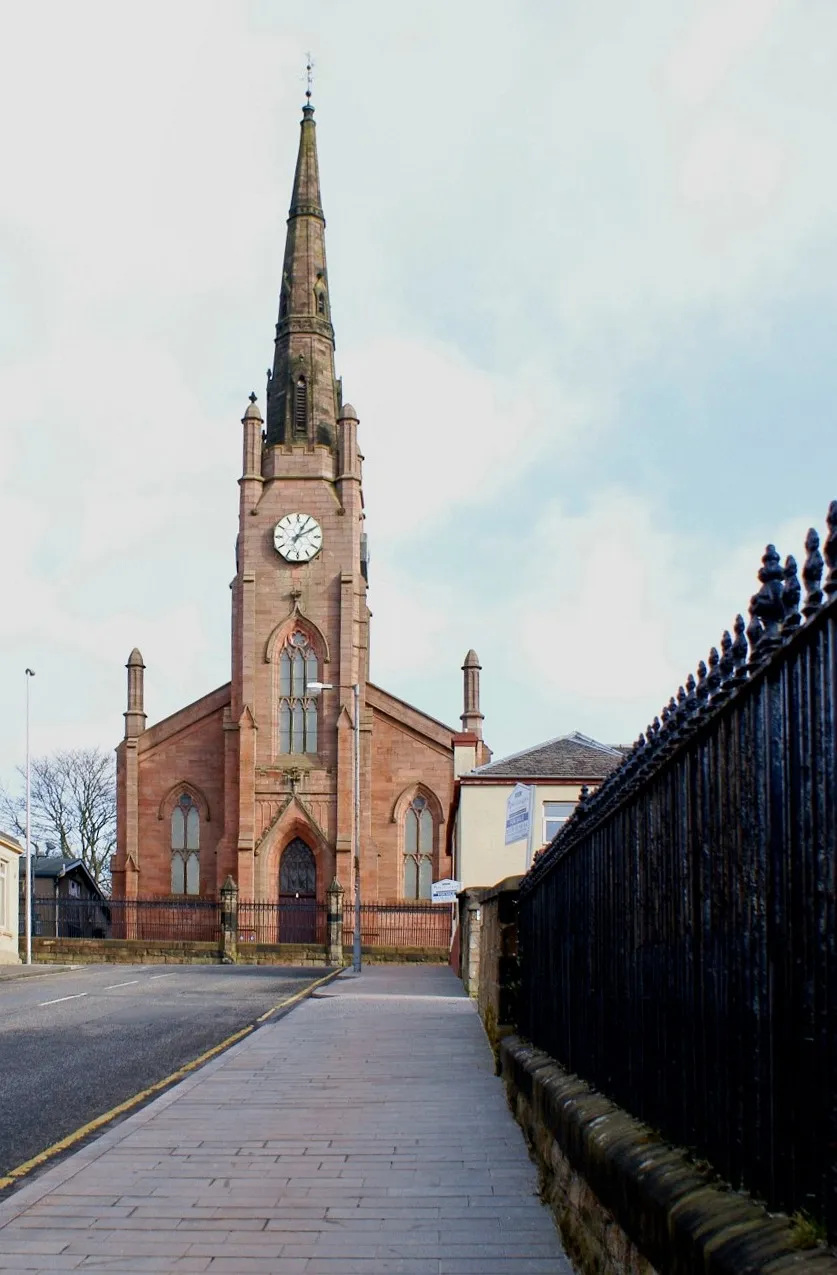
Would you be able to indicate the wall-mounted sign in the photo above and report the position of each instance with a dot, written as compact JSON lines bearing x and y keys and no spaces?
{"x":445,"y":891}
{"x":519,"y":813}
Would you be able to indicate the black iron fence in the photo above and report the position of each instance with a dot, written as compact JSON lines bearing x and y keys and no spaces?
{"x":65,"y":918}
{"x":678,"y":938}
{"x":294,"y":921}
{"x":406,"y":925}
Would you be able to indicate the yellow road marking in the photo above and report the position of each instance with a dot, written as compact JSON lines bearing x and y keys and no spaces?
{"x":14,"y":1175}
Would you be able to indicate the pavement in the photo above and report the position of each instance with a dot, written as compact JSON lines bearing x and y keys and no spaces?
{"x":365,"y":1133}
{"x":8,"y":972}
{"x":76,"y":1043}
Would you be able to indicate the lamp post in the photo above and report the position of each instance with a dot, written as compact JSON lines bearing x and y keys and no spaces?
{"x":316,"y":688}
{"x":356,"y":737}
{"x":30,"y":673}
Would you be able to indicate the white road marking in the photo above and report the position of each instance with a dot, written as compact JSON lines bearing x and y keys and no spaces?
{"x":59,"y":999}
{"x":130,"y":983}
{"x":153,"y":976}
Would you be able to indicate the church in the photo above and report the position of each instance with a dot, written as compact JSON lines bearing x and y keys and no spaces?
{"x":299,"y":767}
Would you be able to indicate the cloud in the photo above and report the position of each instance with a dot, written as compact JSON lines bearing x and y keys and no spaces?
{"x":530,"y":210}
{"x":442,"y":435}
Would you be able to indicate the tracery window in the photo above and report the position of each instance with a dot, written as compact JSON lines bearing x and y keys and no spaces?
{"x":185,"y":846}
{"x":297,"y":709}
{"x":418,"y":849}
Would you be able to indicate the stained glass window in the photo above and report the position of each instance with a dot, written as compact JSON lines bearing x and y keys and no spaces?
{"x":297,"y":716}
{"x":185,"y":846}
{"x":418,"y":849}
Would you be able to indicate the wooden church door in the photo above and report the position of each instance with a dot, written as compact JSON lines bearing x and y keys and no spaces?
{"x":297,"y":894}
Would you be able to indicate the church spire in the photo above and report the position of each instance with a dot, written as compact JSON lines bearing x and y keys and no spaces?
{"x":302,"y":392}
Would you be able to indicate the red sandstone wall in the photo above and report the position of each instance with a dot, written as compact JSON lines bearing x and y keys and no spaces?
{"x":194,"y":754}
{"x":401,"y":758}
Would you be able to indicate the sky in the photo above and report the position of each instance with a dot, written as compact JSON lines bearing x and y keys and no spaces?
{"x":582,"y":268}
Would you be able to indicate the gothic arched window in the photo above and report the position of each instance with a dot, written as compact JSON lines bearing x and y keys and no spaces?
{"x":321,"y":304}
{"x":297,"y":709}
{"x":418,"y":849}
{"x":185,"y":846}
{"x":300,"y":408}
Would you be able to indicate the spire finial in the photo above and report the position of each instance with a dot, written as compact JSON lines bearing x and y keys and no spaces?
{"x":252,"y":396}
{"x":309,"y":81}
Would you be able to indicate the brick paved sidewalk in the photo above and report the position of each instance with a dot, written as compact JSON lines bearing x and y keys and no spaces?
{"x":364,"y":1133}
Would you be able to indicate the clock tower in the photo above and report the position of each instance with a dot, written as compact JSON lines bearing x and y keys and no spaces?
{"x":299,"y":595}
{"x":256,"y":778}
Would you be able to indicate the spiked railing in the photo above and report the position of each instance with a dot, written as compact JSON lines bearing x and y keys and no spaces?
{"x":678,"y":938}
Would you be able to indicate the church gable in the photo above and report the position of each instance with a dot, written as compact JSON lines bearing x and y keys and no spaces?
{"x":409,"y":719}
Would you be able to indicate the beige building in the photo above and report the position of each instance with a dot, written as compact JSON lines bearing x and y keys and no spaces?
{"x":556,"y":771}
{"x":10,"y":852}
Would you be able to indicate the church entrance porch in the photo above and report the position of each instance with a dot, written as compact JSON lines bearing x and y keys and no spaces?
{"x":297,"y":893}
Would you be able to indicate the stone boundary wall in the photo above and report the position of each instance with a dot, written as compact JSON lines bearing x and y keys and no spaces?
{"x":470,"y":924}
{"x":627,"y":1203}
{"x":195,"y":952}
{"x":497,"y":973}
{"x":280,"y":954}
{"x":125,"y":951}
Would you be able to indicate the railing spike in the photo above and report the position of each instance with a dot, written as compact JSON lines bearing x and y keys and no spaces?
{"x":812,"y":574}
{"x":713,"y":680}
{"x":739,"y":649}
{"x":830,"y":549}
{"x":791,"y":594}
{"x":769,"y":607}
{"x":755,"y":632}
{"x":682,"y":711}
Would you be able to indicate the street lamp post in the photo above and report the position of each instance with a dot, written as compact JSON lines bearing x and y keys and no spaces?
{"x":316,"y":688}
{"x":356,"y":750}
{"x":30,"y":673}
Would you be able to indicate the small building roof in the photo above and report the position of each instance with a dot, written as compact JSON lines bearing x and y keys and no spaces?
{"x":55,"y":865}
{"x":10,"y":842}
{"x":572,"y":756}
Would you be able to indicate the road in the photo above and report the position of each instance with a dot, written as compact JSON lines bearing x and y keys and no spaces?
{"x":75,"y":1044}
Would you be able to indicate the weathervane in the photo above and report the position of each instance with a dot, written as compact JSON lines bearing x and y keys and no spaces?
{"x":309,"y":76}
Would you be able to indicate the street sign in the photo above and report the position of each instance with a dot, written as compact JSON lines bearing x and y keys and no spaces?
{"x":445,"y":891}
{"x":519,"y":813}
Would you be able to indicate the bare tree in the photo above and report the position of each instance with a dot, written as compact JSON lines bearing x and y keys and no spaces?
{"x":73,"y":807}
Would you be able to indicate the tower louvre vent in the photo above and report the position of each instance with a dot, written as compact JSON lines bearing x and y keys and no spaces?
{"x":301,"y":408}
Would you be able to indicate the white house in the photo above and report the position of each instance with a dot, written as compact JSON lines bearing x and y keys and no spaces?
{"x":10,"y":852}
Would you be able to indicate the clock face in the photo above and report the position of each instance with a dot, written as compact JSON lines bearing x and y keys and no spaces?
{"x":298,"y":537}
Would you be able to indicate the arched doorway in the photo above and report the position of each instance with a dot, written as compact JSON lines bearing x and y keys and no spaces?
{"x":297,"y":893}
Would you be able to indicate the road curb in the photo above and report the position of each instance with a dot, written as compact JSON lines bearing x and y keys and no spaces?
{"x":15,"y":1177}
{"x":13,"y":973}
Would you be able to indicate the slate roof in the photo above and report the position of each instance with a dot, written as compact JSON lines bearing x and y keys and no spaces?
{"x":53,"y":865}
{"x":573,"y":756}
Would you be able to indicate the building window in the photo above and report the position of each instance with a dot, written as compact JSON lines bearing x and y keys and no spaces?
{"x":321,"y":303}
{"x":297,"y":716}
{"x":418,"y":850}
{"x":555,"y":813}
{"x":74,"y":889}
{"x":185,"y":846}
{"x":5,"y":906}
{"x":300,"y":408}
